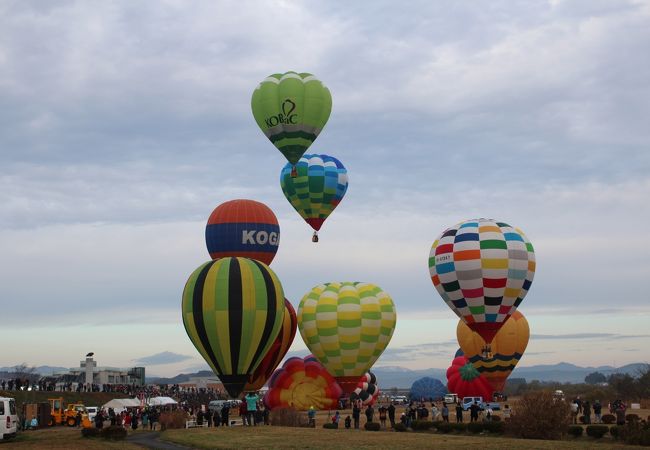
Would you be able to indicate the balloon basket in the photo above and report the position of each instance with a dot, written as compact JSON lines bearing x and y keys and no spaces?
{"x":294,"y":172}
{"x":314,"y":237}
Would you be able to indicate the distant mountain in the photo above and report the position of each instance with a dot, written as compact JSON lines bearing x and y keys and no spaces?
{"x":43,"y":370}
{"x":570,"y":373}
{"x":181,"y":378}
{"x":403,"y":378}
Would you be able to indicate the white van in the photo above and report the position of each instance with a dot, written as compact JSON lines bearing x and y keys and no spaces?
{"x":8,"y":418}
{"x":92,"y":412}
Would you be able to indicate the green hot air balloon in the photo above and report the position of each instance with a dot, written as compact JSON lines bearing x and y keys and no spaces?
{"x":291,"y":109}
{"x":233,"y":310}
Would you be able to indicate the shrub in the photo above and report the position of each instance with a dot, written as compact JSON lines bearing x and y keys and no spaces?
{"x":635,"y":433}
{"x":597,"y":431}
{"x":632,"y":418}
{"x":444,"y":427}
{"x":608,"y":418}
{"x":399,"y":427}
{"x":527,"y":421}
{"x":459,"y":427}
{"x":90,"y":432}
{"x":494,"y":427}
{"x":617,"y":431}
{"x":330,"y":426}
{"x":172,"y":419}
{"x":422,"y":425}
{"x":288,"y":417}
{"x":475,"y":427}
{"x":113,"y":433}
{"x":575,"y":430}
{"x":372,"y":426}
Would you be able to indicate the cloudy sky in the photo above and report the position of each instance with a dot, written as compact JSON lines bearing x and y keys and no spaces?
{"x":123,"y":124}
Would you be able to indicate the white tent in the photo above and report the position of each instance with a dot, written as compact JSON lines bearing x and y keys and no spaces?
{"x":161,"y":401}
{"x":118,"y":404}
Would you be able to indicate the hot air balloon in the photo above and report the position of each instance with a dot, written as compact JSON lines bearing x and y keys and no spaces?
{"x":347,"y":325}
{"x":507,"y":348}
{"x":318,"y":188}
{"x":463,"y":379}
{"x":300,"y":384}
{"x":482,"y":269}
{"x":243,"y":228}
{"x":367,"y":390}
{"x":233,"y":310}
{"x":278,"y":350}
{"x":291,"y":109}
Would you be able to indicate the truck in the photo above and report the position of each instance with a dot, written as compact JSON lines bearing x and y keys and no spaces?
{"x":60,"y":415}
{"x":468,"y":401}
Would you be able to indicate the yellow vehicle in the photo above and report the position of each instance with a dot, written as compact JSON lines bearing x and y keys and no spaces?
{"x":68,"y":415}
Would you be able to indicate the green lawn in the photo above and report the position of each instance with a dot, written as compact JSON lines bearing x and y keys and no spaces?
{"x":305,"y":438}
{"x":59,"y":438}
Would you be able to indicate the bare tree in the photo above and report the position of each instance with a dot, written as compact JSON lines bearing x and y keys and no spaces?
{"x":24,"y":372}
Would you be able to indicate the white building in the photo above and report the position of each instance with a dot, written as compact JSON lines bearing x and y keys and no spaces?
{"x":89,"y":373}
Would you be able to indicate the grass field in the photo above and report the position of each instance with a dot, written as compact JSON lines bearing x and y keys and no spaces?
{"x":60,"y":438}
{"x":282,"y":437}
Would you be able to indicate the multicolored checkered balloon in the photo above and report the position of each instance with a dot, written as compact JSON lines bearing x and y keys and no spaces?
{"x":318,"y":187}
{"x":347,"y":326}
{"x":482,"y":269}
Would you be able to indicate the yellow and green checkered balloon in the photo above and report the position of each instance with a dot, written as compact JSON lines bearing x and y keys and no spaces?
{"x":347,"y":326}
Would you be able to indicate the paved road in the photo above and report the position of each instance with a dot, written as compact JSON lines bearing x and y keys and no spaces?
{"x":152,"y":440}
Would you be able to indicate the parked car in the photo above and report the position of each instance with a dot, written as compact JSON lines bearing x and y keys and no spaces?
{"x":451,"y":398}
{"x":92,"y":412}
{"x":8,"y":418}
{"x":468,"y":401}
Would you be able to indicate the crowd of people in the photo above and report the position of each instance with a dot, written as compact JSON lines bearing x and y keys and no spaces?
{"x":584,"y":410}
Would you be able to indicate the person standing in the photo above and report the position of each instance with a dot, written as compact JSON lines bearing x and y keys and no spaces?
{"x":473,"y":412}
{"x":216,"y":418}
{"x":391,"y":414}
{"x":586,"y":410}
{"x":574,"y":412}
{"x":382,"y":416}
{"x":445,"y":412}
{"x":370,"y":414}
{"x":356,"y":413}
{"x":243,"y":413}
{"x":598,"y":409}
{"x":311,"y":415}
{"x":225,"y":415}
{"x":251,"y":408}
{"x":459,"y":413}
{"x":336,"y":418}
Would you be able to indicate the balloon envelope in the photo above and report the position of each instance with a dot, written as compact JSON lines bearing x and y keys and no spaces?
{"x":278,"y":350}
{"x":291,"y":109}
{"x":243,"y":228}
{"x":367,"y":390}
{"x":463,"y":379}
{"x":233,"y":310}
{"x":301,"y":384}
{"x":482,"y":269}
{"x":347,"y":325}
{"x":427,"y":388}
{"x":318,"y":187}
{"x":507,"y":348}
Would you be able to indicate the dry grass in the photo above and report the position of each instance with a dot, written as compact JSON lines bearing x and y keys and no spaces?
{"x":281,"y":437}
{"x":60,"y":438}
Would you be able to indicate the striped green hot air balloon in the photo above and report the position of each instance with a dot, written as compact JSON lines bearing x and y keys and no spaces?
{"x":233,"y":309}
{"x":347,"y":326}
{"x":291,"y":109}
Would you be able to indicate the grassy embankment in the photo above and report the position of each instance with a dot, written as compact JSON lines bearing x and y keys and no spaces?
{"x":282,"y":437}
